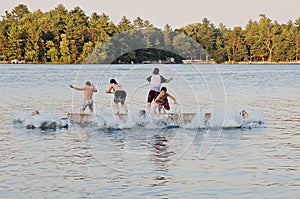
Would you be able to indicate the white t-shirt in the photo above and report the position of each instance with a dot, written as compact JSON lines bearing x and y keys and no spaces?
{"x":156,"y":81}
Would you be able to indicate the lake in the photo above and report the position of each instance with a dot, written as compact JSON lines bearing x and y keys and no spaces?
{"x":151,"y":161}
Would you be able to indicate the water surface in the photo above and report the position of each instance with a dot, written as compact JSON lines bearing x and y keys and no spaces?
{"x":88,"y":162}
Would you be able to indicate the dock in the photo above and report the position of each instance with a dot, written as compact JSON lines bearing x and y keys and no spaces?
{"x":177,"y":117}
{"x":85,"y":117}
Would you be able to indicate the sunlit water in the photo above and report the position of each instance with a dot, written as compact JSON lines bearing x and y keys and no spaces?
{"x":151,"y":161}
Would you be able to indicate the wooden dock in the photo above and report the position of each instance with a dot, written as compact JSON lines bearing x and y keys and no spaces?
{"x":85,"y":117}
{"x":181,"y":117}
{"x":177,"y":117}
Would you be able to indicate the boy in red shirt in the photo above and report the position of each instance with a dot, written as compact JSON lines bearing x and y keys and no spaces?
{"x":162,"y":100}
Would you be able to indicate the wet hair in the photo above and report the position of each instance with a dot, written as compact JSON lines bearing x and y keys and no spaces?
{"x":142,"y":113}
{"x":155,"y":71}
{"x":113,"y":81}
{"x":36,"y":112}
{"x":243,"y":113}
{"x":163,"y":89}
{"x":88,"y":83}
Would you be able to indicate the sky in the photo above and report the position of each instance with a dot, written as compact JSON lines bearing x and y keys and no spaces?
{"x":177,"y":14}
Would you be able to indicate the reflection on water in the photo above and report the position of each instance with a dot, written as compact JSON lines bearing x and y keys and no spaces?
{"x":161,"y":150}
{"x":88,"y":162}
{"x":160,"y":158}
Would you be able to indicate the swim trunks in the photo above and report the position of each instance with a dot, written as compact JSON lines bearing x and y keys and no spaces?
{"x":120,"y":96}
{"x":88,"y":103}
{"x":163,"y":103}
{"x":152,"y":95}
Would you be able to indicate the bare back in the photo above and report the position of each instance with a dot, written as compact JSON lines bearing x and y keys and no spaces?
{"x":114,"y":87}
{"x":88,"y":92}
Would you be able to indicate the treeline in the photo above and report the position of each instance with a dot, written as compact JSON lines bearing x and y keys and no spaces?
{"x":62,"y":36}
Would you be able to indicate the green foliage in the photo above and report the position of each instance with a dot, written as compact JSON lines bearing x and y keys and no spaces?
{"x":64,"y":50}
{"x":62,"y":36}
{"x":52,"y":53}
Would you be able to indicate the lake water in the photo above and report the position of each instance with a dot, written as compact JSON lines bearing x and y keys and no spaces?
{"x":150,"y":161}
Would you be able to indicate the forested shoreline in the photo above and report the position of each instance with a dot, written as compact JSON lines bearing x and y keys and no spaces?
{"x":61,"y":36}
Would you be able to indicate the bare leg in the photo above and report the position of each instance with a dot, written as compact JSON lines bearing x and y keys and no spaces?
{"x":117,"y":108}
{"x":154,"y":110}
{"x":91,"y":107}
{"x":124,"y":107}
{"x":148,"y":106}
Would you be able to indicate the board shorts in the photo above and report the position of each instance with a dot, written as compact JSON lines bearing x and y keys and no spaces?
{"x":88,"y":103}
{"x":163,"y":103}
{"x":120,"y":96}
{"x":152,"y":95}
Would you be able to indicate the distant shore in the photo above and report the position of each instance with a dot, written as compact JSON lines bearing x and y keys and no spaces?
{"x":185,"y":62}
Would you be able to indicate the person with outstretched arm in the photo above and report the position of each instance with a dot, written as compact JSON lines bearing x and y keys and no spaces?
{"x":88,"y":90}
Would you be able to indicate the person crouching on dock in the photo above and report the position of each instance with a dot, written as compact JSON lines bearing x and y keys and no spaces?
{"x":162,"y":100}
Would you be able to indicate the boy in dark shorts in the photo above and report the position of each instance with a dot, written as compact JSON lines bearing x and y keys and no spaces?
{"x":120,"y":95}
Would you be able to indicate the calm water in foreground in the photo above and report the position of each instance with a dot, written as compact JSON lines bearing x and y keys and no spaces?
{"x":151,"y":162}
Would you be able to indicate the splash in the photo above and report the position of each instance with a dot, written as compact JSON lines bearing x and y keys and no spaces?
{"x":43,"y":121}
{"x":108,"y":120}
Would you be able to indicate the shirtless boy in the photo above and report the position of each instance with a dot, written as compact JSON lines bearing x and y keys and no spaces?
{"x":89,"y":89}
{"x":120,"y":95}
